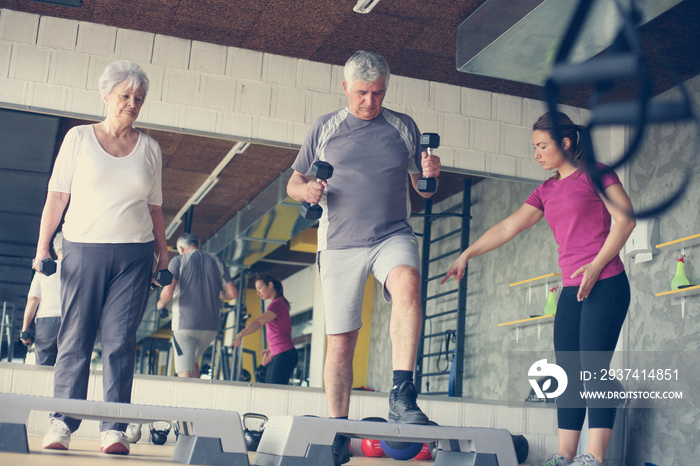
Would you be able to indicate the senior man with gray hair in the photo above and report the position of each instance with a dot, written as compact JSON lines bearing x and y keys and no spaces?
{"x":376,"y":155}
{"x":200,"y":280}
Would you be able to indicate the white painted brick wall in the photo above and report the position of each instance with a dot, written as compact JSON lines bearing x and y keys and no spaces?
{"x":208,"y":58}
{"x":532,"y":170}
{"x":171,"y":51}
{"x":280,"y":70}
{"x":289,"y":104}
{"x":180,"y":87}
{"x":96,"y":39}
{"x":414,"y":93}
{"x":501,"y":165}
{"x":13,"y":91}
{"x":96,"y":67}
{"x":428,"y":121}
{"x":235,"y":124}
{"x":479,"y":415}
{"x":337,"y":78}
{"x":454,"y":131}
{"x":19,"y":27}
{"x":46,"y":95}
{"x":446,"y":98}
{"x":511,"y":418}
{"x":541,"y":421}
{"x":136,"y":46}
{"x":245,"y":64}
{"x":476,"y":103}
{"x":85,"y":103}
{"x":69,"y":69}
{"x":516,"y":140}
{"x":155,"y":75}
{"x":507,"y":108}
{"x":484,"y":135}
{"x":5,"y":54}
{"x":253,"y":98}
{"x":270,"y":130}
{"x":199,"y":119}
{"x":160,"y":113}
{"x":314,"y":76}
{"x":240,"y":93}
{"x":318,"y":104}
{"x":532,"y":110}
{"x":58,"y":33}
{"x":297,"y":132}
{"x":29,"y":63}
{"x":447,"y":155}
{"x":471,"y":160}
{"x":217,"y":92}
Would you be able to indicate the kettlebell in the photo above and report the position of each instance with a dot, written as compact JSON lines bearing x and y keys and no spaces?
{"x":252,"y":437}
{"x":159,"y":437}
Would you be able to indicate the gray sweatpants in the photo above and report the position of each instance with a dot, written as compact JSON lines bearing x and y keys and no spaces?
{"x":45,"y":340}
{"x":102,"y":286}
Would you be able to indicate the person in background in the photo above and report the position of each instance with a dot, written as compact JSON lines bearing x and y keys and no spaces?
{"x":376,"y":157}
{"x":281,"y":357}
{"x":200,"y":282}
{"x":596,"y":295}
{"x":111,"y":174}
{"x":44,"y":308}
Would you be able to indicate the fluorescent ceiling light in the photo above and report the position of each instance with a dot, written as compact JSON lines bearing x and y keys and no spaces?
{"x":172,"y":228}
{"x":204,"y":189}
{"x":73,"y":3}
{"x":365,"y":6}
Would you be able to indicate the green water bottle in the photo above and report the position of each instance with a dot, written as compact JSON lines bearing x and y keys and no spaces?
{"x":679,"y":279}
{"x":551,"y":306}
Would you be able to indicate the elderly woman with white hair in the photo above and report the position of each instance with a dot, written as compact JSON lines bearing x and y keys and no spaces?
{"x":111,"y":174}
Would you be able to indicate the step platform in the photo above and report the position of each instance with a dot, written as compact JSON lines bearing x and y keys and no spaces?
{"x":302,"y":441}
{"x":217,"y":435}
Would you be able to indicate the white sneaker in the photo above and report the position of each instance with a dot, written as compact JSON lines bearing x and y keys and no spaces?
{"x":57,"y":436}
{"x":114,"y":442}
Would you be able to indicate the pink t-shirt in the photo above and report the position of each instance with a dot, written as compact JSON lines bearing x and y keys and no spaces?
{"x":279,"y":330}
{"x":579,"y":220}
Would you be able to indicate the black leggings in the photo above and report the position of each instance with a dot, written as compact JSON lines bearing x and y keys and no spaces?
{"x":585,"y":335}
{"x":282,"y":367}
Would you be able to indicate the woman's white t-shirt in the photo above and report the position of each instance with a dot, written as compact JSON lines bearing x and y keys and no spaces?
{"x":109,"y":196}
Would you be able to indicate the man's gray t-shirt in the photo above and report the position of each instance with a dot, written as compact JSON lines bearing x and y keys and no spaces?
{"x":367,"y":199}
{"x":200,"y":277}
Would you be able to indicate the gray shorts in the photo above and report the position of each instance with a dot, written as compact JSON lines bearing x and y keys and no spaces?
{"x":189,"y":345}
{"x":344,"y":273}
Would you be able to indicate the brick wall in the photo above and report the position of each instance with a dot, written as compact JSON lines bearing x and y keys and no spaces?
{"x":52,"y":65}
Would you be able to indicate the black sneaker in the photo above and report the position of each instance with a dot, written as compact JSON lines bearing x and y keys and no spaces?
{"x":402,"y":405}
{"x":341,"y":449}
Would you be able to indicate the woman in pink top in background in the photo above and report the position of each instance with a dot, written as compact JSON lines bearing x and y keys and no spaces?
{"x":280,"y":357}
{"x":596,"y":295}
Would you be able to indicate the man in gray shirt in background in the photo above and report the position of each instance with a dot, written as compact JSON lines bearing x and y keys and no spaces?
{"x":200,"y":281}
{"x":376,"y":157}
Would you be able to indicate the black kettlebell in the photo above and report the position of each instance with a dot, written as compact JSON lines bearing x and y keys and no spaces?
{"x":252,"y":437}
{"x":159,"y":437}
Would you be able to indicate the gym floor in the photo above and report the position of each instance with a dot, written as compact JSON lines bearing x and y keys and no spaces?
{"x":85,"y":452}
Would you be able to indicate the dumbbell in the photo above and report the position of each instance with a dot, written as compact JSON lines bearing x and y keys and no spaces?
{"x":162,"y":278}
{"x":47,"y":266}
{"x":28,"y":335}
{"x":428,"y":141}
{"x":321,"y":171}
